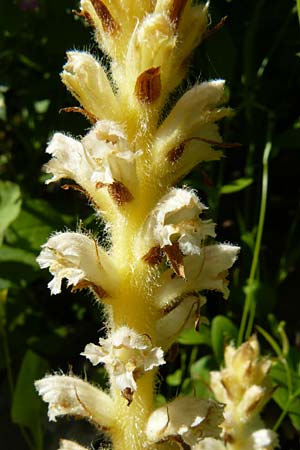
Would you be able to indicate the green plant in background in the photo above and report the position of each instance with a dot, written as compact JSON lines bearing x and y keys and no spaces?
{"x":260,"y":41}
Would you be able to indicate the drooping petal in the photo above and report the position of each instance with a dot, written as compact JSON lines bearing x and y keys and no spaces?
{"x":188,"y":418}
{"x":127,"y":355}
{"x":68,"y":395}
{"x":78,"y":258}
{"x":86,"y":79}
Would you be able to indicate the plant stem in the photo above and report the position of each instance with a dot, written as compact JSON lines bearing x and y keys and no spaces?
{"x":249,"y":307}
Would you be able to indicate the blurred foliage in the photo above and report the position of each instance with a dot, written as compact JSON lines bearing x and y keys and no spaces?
{"x":253,"y":196}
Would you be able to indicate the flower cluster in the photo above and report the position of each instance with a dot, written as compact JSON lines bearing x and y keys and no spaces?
{"x":161,"y":255}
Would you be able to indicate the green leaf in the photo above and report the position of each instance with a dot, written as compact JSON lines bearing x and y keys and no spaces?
{"x":193,"y":337}
{"x":174,"y":379}
{"x":10,"y":205}
{"x":223,"y":331}
{"x":281,"y":397}
{"x":26,"y":406}
{"x":17,"y":255}
{"x":236,"y":185}
{"x":200,"y":376}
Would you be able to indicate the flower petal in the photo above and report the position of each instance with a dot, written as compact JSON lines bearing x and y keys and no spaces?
{"x":80,"y":260}
{"x":65,"y":444}
{"x":188,"y":418}
{"x":86,"y":79}
{"x":75,"y":397}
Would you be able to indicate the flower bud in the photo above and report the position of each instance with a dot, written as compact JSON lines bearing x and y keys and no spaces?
{"x":87,"y":81}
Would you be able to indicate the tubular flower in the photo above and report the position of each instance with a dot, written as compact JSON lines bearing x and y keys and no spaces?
{"x":189,"y":419}
{"x":102,"y":158}
{"x":68,"y":395}
{"x":208,"y":270}
{"x":86,"y":79}
{"x":126,"y":355}
{"x":77,"y":258}
{"x":176,"y":219}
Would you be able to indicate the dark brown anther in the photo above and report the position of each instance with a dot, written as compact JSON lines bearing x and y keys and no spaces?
{"x":175,"y":258}
{"x":85,"y":15}
{"x":76,"y":109}
{"x":119,"y":193}
{"x":109,"y":24}
{"x":148,"y":85}
{"x":175,"y":153}
{"x":216,"y":28}
{"x":176,"y":10}
{"x":127,"y":393}
{"x":154,"y":256}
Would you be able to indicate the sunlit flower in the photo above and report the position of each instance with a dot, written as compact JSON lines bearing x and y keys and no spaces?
{"x":73,"y":396}
{"x":126,"y":355}
{"x":65,"y":444}
{"x":79,"y":259}
{"x":176,"y":218}
{"x":102,"y":158}
{"x":208,"y":270}
{"x":86,"y":79}
{"x":188,"y":418}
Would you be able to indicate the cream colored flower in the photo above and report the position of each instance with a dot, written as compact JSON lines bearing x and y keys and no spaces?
{"x":87,"y":81}
{"x":264,"y":439}
{"x":176,"y":218}
{"x":73,"y":396}
{"x":205,"y":271}
{"x":78,"y":258}
{"x":184,"y":139}
{"x":243,"y":383}
{"x":184,"y":314}
{"x":189,"y":419}
{"x":126,"y":355}
{"x":102,"y":158}
{"x":210,"y":444}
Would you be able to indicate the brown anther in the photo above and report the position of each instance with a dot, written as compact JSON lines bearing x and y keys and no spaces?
{"x":119,"y":193}
{"x":175,"y":258}
{"x":154,"y":256}
{"x":216,"y":28}
{"x":85,"y":15}
{"x":76,"y":109}
{"x":109,"y":24}
{"x":175,"y":153}
{"x":176,"y":10}
{"x":148,"y":86}
{"x":228,"y":438}
{"x":127,"y":393}
{"x":100,"y":185}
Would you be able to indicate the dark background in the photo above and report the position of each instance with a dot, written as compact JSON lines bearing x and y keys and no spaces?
{"x":256,"y":52}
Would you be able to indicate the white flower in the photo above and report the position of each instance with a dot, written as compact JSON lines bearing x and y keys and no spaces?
{"x":88,"y":82}
{"x":75,"y":397}
{"x":183,"y":315}
{"x":176,"y":219}
{"x":127,"y":355}
{"x":205,"y":271}
{"x":188,"y":418}
{"x":210,"y":444}
{"x":102,"y":158}
{"x":78,"y":258}
{"x":185,"y":139}
{"x":264,"y":439}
